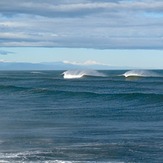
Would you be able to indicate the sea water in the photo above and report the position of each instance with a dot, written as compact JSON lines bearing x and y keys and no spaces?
{"x":88,"y":117}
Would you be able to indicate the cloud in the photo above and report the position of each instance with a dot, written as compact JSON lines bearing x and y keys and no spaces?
{"x":76,"y":8}
{"x":86,"y":63}
{"x":101,"y":24}
{"x":3,"y":52}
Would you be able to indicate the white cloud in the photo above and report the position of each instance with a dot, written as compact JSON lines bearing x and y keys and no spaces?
{"x":12,"y":24}
{"x":86,"y":63}
{"x":11,"y":35}
{"x":4,"y":61}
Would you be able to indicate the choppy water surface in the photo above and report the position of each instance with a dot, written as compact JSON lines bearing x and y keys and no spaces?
{"x":81,"y":116}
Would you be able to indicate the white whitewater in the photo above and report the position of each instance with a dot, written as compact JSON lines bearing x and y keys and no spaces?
{"x":140,"y":73}
{"x":75,"y":74}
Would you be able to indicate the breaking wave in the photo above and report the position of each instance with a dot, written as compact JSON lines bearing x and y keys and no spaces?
{"x":74,"y":74}
{"x":140,"y":73}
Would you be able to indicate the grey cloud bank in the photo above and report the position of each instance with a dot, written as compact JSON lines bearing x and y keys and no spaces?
{"x":119,"y":24}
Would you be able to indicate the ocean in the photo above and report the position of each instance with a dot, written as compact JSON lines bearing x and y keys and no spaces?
{"x":81,"y":116}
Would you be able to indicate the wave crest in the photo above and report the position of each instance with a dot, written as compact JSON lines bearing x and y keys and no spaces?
{"x":140,"y":73}
{"x":74,"y":74}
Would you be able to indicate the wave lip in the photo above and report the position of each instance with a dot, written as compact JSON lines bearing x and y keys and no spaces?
{"x":140,"y":73}
{"x":70,"y":74}
{"x":74,"y":74}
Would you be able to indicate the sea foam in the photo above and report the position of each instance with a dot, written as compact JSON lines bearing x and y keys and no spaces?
{"x":74,"y":74}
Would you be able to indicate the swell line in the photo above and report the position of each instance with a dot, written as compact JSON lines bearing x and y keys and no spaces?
{"x":80,"y":94}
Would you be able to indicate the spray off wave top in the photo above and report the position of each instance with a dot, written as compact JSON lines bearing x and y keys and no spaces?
{"x":140,"y":73}
{"x":74,"y":74}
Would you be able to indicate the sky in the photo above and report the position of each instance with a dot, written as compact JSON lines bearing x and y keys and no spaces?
{"x":110,"y":32}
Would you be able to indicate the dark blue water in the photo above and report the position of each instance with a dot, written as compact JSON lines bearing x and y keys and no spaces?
{"x":103,"y":117}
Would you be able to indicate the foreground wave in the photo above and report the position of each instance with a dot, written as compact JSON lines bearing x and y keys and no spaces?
{"x":74,"y":74}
